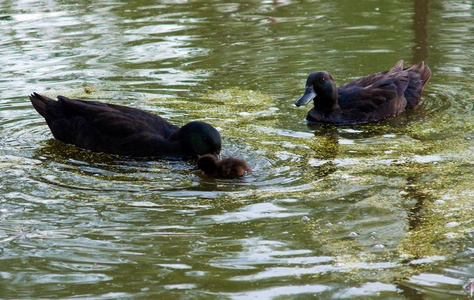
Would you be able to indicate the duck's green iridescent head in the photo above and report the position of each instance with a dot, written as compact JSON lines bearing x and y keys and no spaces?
{"x":199,"y":138}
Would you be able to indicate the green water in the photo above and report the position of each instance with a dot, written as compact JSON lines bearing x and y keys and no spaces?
{"x":375,"y":211}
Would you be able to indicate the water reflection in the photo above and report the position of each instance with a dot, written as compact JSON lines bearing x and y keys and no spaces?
{"x":420,"y":28}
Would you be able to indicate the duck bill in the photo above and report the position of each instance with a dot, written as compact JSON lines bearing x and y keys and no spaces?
{"x":308,"y":95}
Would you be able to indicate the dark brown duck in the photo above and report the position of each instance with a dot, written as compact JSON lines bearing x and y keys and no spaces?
{"x":368,"y":99}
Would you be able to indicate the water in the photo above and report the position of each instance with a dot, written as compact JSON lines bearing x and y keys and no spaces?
{"x":374,"y":211}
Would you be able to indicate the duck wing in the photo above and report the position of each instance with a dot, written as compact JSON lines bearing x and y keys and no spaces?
{"x":418,"y":77}
{"x":105,"y":127}
{"x":374,"y":97}
{"x":364,"y":105}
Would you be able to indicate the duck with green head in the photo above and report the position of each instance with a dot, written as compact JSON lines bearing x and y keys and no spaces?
{"x":122,"y":130}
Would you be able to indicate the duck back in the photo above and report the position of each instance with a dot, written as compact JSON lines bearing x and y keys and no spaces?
{"x":414,"y":80}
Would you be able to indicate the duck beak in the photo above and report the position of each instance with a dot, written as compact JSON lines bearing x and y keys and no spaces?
{"x":308,"y":95}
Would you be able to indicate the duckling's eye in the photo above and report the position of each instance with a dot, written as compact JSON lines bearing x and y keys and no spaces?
{"x":322,"y":79}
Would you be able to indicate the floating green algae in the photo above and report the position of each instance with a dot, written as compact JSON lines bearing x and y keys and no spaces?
{"x":412,"y":173}
{"x":418,"y":164}
{"x":231,"y":110}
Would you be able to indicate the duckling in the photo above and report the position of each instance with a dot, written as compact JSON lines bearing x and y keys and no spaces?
{"x":228,"y":167}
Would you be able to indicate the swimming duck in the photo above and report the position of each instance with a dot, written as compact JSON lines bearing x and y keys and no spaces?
{"x":123,"y":130}
{"x":367,"y":99}
{"x":228,"y":167}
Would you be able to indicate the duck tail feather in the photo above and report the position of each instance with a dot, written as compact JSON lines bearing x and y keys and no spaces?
{"x":398,"y":66}
{"x":426,"y":74}
{"x":423,"y":70}
{"x":40,"y":103}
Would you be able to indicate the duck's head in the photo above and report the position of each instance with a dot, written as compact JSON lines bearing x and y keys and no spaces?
{"x":319,"y":84}
{"x":207,"y":163}
{"x":199,"y":138}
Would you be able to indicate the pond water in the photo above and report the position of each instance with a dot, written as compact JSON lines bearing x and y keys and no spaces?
{"x":373,"y":211}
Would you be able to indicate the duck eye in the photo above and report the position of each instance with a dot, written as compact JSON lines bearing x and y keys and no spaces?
{"x":322,"y":79}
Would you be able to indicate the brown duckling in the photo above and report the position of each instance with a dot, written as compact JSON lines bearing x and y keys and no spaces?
{"x":228,"y":167}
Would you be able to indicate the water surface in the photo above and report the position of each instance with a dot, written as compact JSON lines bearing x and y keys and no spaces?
{"x":380,"y":210}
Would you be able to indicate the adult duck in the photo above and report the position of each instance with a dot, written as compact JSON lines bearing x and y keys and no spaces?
{"x":122,"y":130}
{"x":228,"y":167}
{"x":368,"y":99}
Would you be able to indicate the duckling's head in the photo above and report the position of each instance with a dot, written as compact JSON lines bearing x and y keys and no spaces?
{"x":208,"y":164}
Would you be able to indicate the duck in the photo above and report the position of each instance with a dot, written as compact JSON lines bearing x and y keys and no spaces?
{"x":367,"y":99}
{"x":227,"y":167}
{"x":123,"y":130}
